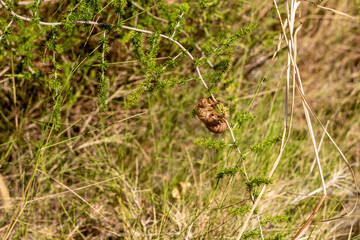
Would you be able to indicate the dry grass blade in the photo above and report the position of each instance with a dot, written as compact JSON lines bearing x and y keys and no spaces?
{"x":329,"y":9}
{"x":73,"y":190}
{"x":4,"y":193}
{"x":77,"y":195}
{"x":306,"y":107}
{"x":337,"y":148}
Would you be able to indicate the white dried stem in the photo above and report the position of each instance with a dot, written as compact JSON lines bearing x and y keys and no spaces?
{"x":2,"y":35}
{"x":177,"y":25}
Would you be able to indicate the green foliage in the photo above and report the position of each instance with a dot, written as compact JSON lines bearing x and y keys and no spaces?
{"x":193,"y":112}
{"x":35,"y":20}
{"x":138,"y":43}
{"x":239,"y":211}
{"x":55,"y":82}
{"x":161,"y":4}
{"x":217,"y":145}
{"x":242,"y":117}
{"x":227,"y":41}
{"x":56,"y":112}
{"x":234,"y":146}
{"x":255,"y":182}
{"x":228,"y":172}
{"x":36,"y":5}
{"x":106,"y":27}
{"x":152,"y":51}
{"x":147,"y":59}
{"x":119,"y":6}
{"x":278,"y":236}
{"x":103,"y":84}
{"x":68,"y":24}
{"x":254,"y":234}
{"x":133,"y":98}
{"x":177,"y":18}
{"x":261,"y":147}
{"x":197,"y":61}
{"x":275,"y":219}
{"x":223,"y":67}
{"x":151,"y":86}
{"x":152,"y":80}
{"x":357,"y":4}
{"x":220,"y":108}
{"x":207,"y":3}
{"x":6,"y":31}
{"x":154,"y":71}
{"x":166,"y":84}
{"x":103,"y":90}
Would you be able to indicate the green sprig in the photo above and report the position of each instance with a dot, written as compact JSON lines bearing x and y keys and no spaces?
{"x":217,"y":145}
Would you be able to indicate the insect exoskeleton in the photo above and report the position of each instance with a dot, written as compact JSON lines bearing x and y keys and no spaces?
{"x":217,"y":128}
{"x":213,"y":120}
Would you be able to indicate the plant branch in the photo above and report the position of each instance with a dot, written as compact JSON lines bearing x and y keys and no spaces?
{"x":146,"y":32}
{"x":2,"y":35}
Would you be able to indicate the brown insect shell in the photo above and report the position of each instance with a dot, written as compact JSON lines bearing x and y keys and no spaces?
{"x":217,"y":128}
{"x":213,"y":120}
{"x":205,"y":111}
